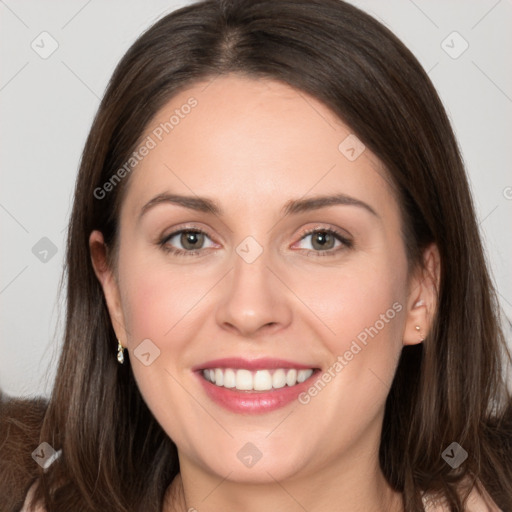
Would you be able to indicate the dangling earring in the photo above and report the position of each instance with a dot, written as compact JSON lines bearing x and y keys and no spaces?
{"x":418,"y":329}
{"x":120,"y":352}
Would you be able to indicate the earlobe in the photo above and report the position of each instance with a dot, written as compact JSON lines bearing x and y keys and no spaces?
{"x":106,"y":277}
{"x":423,"y":298}
{"x":417,"y":324}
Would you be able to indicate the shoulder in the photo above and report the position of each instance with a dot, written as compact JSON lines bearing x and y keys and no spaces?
{"x":478,"y":501}
{"x":27,"y":505}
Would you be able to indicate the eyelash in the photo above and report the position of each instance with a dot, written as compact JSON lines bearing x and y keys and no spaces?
{"x":347,"y":244}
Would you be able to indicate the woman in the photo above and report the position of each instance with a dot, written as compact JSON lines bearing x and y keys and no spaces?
{"x":277,"y":295}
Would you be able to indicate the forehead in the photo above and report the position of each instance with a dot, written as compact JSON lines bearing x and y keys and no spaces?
{"x":248,"y":140}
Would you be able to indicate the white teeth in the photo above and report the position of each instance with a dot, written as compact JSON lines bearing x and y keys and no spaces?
{"x":260,"y":380}
{"x":243,"y":380}
{"x":291,"y":377}
{"x":229,"y":378}
{"x":219,"y":376}
{"x":279,"y":379}
{"x":302,"y":375}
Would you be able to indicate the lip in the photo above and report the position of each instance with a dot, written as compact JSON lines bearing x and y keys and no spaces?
{"x":265,"y":363}
{"x":253,"y":402}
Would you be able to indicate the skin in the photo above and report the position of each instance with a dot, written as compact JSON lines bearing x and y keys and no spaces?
{"x":252,"y":146}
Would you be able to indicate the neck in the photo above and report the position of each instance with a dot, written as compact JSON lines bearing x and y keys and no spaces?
{"x":358,"y":486}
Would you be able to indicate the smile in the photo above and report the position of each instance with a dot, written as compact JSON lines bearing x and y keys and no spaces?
{"x":259,"y":380}
{"x":254,"y":386}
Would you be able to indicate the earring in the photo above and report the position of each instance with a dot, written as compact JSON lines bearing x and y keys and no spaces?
{"x":120,"y":352}
{"x":418,"y":329}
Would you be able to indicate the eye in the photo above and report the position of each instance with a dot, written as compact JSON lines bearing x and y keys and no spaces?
{"x":191,"y":242}
{"x":323,"y":242}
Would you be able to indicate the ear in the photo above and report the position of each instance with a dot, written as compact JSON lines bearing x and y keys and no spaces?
{"x":423,"y":293}
{"x":107,"y":278}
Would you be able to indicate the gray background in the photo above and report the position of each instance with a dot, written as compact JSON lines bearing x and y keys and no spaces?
{"x":47,"y":106}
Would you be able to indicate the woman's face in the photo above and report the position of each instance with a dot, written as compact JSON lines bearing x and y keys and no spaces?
{"x":251,"y":289}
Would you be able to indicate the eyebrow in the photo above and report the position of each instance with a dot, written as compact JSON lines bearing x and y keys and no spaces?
{"x":294,"y":206}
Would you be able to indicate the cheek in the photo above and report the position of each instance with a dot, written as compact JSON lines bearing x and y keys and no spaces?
{"x":158,"y":299}
{"x":159,"y":304}
{"x":360,"y":300}
{"x":370,"y":307}
{"x":363,"y":307}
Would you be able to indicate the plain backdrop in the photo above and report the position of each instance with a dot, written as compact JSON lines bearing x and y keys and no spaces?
{"x":47,"y":103}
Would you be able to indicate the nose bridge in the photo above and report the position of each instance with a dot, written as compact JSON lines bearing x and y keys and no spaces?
{"x":254,"y":298}
{"x":251,"y":261}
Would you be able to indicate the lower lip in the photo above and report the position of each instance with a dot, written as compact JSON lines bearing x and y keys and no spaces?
{"x":254,"y":402}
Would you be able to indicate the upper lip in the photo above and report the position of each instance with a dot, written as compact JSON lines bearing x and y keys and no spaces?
{"x":265,"y":363}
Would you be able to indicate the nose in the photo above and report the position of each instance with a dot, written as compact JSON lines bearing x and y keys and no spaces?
{"x":254,"y":300}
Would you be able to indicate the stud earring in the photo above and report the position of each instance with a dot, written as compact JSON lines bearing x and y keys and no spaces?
{"x":418,"y":329}
{"x":120,"y":352}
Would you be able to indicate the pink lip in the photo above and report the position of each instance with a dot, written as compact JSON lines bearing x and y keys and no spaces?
{"x":252,"y":402}
{"x":264,"y":363}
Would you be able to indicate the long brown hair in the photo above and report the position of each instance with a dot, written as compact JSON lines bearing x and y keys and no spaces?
{"x":451,"y":388}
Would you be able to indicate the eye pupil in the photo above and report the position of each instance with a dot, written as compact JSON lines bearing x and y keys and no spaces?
{"x":323,"y":239}
{"x":190,"y":239}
